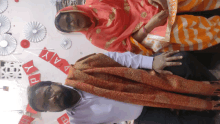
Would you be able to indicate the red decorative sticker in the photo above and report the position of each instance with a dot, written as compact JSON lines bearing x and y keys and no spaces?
{"x":34,"y":79}
{"x":56,"y":61}
{"x":46,"y":55}
{"x":29,"y":109}
{"x":25,"y":43}
{"x":26,"y":120}
{"x":64,"y":119}
{"x":65,"y":66}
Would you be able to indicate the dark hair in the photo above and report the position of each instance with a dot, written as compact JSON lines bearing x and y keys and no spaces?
{"x":32,"y":93}
{"x":57,"y":20}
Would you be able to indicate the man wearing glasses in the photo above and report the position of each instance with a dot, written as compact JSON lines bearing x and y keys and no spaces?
{"x":85,"y":108}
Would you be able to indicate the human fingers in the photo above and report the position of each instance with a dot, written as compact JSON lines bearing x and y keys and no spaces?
{"x":164,"y":6}
{"x":163,"y":3}
{"x":158,"y":17}
{"x":165,"y":14}
{"x":174,"y":58}
{"x":164,"y":53}
{"x":163,"y":21}
{"x":206,"y":82}
{"x":171,"y":53}
{"x":164,"y":72}
{"x":167,"y":64}
{"x":161,"y":13}
{"x":161,"y":16}
{"x":152,"y":3}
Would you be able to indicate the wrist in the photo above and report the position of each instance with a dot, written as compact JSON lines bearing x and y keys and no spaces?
{"x":148,"y":28}
{"x":145,"y":30}
{"x":147,"y":62}
{"x":153,"y":63}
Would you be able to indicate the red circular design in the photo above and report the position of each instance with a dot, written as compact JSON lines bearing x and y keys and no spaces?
{"x":25,"y":43}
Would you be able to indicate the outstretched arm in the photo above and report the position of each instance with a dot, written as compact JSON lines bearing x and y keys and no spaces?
{"x":132,"y":60}
{"x":158,"y":63}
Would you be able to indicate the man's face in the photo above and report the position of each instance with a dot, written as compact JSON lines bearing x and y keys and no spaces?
{"x":73,"y":21}
{"x":53,"y":98}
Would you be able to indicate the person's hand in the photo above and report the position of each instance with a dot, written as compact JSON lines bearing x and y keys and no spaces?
{"x":164,"y":60}
{"x":162,"y":3}
{"x":157,"y":20}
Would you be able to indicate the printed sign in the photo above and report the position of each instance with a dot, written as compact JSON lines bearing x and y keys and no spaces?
{"x":34,"y":79}
{"x":56,"y":61}
{"x":46,"y":55}
{"x":64,"y":119}
{"x":65,"y":67}
{"x":29,"y":109}
{"x":29,"y":67}
{"x":26,"y":120}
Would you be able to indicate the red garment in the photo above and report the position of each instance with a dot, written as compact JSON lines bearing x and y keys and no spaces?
{"x":117,"y":20}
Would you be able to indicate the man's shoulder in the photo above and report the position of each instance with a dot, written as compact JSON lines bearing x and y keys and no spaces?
{"x":85,"y":57}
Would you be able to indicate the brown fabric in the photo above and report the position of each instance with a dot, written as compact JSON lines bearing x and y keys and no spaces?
{"x":102,"y":76}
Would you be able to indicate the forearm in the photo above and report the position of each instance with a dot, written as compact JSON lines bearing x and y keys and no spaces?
{"x":142,"y":33}
{"x":132,"y":60}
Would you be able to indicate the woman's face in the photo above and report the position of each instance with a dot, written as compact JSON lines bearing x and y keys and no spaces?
{"x":74,"y":21}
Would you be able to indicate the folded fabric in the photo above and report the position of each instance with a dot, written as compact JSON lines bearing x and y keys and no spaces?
{"x":102,"y":76}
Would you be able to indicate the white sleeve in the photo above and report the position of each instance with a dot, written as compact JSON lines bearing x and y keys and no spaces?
{"x":72,"y":121}
{"x":132,"y":60}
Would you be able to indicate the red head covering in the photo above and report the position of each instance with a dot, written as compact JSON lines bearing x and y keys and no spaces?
{"x":117,"y":20}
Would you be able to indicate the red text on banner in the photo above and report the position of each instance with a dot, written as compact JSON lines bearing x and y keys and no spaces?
{"x":64,"y":119}
{"x":26,"y":120}
{"x":65,"y":66}
{"x":29,"y":109}
{"x":46,"y":55}
{"x":29,"y":67}
{"x":56,"y":61}
{"x":34,"y":79}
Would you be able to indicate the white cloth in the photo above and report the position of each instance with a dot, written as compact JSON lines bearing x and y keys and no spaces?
{"x":132,"y":60}
{"x":93,"y":109}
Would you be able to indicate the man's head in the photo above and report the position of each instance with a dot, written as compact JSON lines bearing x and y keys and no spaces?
{"x":50,"y":96}
{"x":72,"y":21}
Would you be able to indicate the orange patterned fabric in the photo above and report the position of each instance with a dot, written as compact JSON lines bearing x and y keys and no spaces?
{"x":102,"y":76}
{"x":189,"y":33}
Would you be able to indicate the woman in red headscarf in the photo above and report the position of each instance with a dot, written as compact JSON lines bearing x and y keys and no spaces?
{"x":123,"y":25}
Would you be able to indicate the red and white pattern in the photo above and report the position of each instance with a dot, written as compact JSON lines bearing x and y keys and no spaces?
{"x":65,"y":66}
{"x":29,"y":109}
{"x":26,"y":120}
{"x":56,"y":61}
{"x":34,"y":79}
{"x":64,"y":119}
{"x":46,"y":55}
{"x":29,"y":67}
